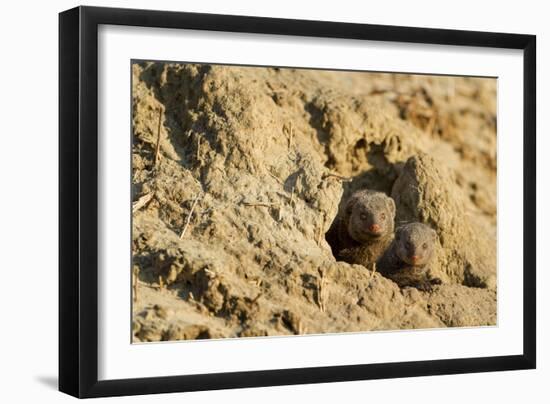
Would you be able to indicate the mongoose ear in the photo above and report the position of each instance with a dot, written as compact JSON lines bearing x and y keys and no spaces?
{"x":391,"y":205}
{"x":349,"y":205}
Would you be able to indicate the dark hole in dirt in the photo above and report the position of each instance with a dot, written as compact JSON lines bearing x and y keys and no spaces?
{"x":361,"y":144}
{"x":375,"y":179}
{"x":380,"y":177}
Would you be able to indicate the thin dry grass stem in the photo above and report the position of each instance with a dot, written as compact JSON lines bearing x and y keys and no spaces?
{"x":210,"y":272}
{"x":430,"y":127}
{"x":320,"y":229}
{"x":275,"y":177}
{"x":142,"y":201}
{"x":373,"y":269}
{"x":266,"y":205}
{"x":301,"y":328}
{"x":293,"y":192}
{"x":255,"y":281}
{"x":372,"y":272}
{"x":289,"y":131}
{"x":262,"y":204}
{"x":198,"y":147}
{"x":188,"y":220}
{"x":280,"y":213}
{"x":191,"y":296}
{"x":135,"y":283}
{"x":161,"y":282}
{"x":380,"y":91}
{"x":148,"y":285}
{"x":157,"y":148}
{"x":338,"y":177}
{"x":321,"y":291}
{"x":290,"y":135}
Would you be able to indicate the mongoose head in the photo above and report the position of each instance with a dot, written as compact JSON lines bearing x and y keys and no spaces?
{"x":415,"y":243}
{"x":370,"y":215}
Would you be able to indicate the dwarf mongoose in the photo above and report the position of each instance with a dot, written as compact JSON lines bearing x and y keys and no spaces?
{"x":406,"y":259}
{"x":365,"y":227}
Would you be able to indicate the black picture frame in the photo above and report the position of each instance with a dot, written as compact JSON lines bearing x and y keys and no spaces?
{"x":78,"y":201}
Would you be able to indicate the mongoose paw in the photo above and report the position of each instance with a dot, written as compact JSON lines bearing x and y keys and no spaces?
{"x":424,"y":286}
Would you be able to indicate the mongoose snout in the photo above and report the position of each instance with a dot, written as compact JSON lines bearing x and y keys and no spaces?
{"x":415,"y":243}
{"x":374,"y":228}
{"x":370,"y":215}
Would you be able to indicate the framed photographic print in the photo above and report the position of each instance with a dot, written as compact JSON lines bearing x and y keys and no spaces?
{"x":250,"y":201}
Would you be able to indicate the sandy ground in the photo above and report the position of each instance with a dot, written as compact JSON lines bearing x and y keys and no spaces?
{"x":233,"y":200}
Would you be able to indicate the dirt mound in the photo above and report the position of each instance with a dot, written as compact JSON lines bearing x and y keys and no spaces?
{"x":229,"y":224}
{"x":427,"y":192}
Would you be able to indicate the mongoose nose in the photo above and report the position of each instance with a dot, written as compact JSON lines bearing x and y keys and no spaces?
{"x":415,"y":258}
{"x":374,"y":228}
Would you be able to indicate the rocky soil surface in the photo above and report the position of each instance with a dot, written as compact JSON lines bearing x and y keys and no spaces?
{"x":234,"y":194}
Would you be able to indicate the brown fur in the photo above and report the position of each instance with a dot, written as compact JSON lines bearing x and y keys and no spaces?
{"x":397,"y":264}
{"x":357,"y":244}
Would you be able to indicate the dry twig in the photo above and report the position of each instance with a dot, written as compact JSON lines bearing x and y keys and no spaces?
{"x":372,"y":273}
{"x":157,"y":148}
{"x":280,"y":213}
{"x":338,"y":177}
{"x":262,"y":204}
{"x":148,"y":285}
{"x":321,"y":291}
{"x":255,"y":281}
{"x":320,"y":229}
{"x":142,"y":201}
{"x":301,"y":328}
{"x":293,"y":191}
{"x":210,"y":273}
{"x":198,"y":147}
{"x":275,"y":177}
{"x":290,"y":134}
{"x":135,"y":283}
{"x":189,"y":216}
{"x":382,"y":91}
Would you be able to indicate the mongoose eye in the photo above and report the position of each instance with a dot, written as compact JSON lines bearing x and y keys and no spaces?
{"x":425,"y":245}
{"x":383,"y":216}
{"x":363,"y":216}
